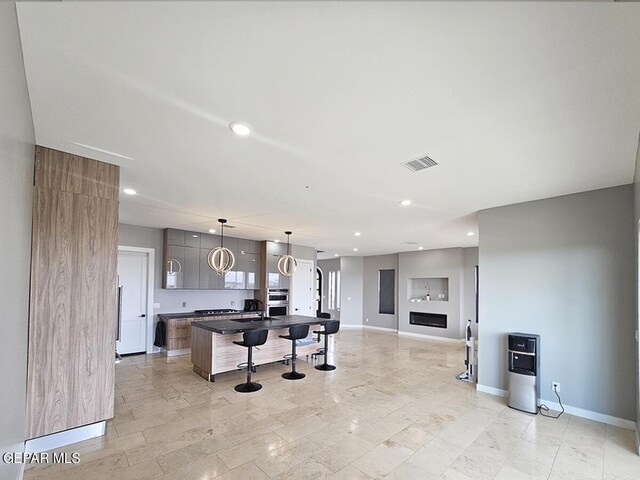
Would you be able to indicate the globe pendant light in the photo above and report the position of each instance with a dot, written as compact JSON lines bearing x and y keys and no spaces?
{"x":221,"y":259}
{"x":287,"y":264}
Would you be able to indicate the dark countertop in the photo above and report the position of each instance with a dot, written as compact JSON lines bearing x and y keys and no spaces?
{"x":226,"y":327}
{"x":240,"y":313}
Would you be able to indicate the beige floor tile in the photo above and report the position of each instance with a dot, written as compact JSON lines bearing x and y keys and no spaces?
{"x":436,"y":456}
{"x":383,"y":459}
{"x":387,"y":390}
{"x":248,"y":471}
{"x":301,"y":428}
{"x":283,"y":458}
{"x":307,"y":470}
{"x":349,"y":473}
{"x":342,"y":453}
{"x":204,"y":468}
{"x":408,"y":471}
{"x":251,"y":449}
{"x":189,"y":454}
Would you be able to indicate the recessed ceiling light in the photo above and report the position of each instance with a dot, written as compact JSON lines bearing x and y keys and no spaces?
{"x":420,"y":248}
{"x":212,"y":230}
{"x":470,"y":234}
{"x":277,"y":241}
{"x":240,"y":128}
{"x":336,"y":255}
{"x":129,"y":191}
{"x":404,"y":203}
{"x":357,"y":234}
{"x":355,"y":249}
{"x":194,"y":235}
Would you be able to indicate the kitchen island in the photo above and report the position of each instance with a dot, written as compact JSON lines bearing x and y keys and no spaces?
{"x":213,"y":350}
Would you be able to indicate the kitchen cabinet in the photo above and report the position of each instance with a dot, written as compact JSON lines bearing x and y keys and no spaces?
{"x":186,"y":262}
{"x":248,"y":268}
{"x":191,"y":251}
{"x":174,"y":237}
{"x":209,"y":280}
{"x":274,"y":278}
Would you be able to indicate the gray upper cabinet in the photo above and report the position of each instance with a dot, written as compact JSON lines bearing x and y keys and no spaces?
{"x":192,"y":255}
{"x":209,"y":280}
{"x":274,"y":278}
{"x":174,"y":237}
{"x":192,"y":239}
{"x":248,"y":246}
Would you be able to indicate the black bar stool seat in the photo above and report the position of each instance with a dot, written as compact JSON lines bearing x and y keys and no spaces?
{"x":296,"y":332}
{"x":329,"y":329}
{"x":250,"y":339}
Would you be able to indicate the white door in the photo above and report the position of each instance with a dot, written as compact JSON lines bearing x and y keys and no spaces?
{"x":132,"y":280}
{"x":302,"y":290}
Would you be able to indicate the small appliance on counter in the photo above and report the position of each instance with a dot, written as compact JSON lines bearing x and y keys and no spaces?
{"x":252,"y":305}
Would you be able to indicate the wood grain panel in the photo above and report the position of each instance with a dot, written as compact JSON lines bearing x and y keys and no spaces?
{"x":71,"y":371}
{"x":71,"y":173}
{"x":213,"y":353}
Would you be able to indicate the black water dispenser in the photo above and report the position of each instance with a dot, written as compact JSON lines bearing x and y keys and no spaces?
{"x":524,"y":368}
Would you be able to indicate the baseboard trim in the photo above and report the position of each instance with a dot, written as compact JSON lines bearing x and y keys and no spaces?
{"x":492,"y":391}
{"x":175,"y":353}
{"x":61,"y":439}
{"x":380,"y":329}
{"x":352,"y":327}
{"x":578,"y":412}
{"x":431,"y":337}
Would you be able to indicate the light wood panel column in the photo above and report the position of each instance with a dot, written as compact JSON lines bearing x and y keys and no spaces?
{"x":72,"y":320}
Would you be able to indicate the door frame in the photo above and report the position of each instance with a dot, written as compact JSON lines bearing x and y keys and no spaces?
{"x":312,"y":264}
{"x":151,"y":253}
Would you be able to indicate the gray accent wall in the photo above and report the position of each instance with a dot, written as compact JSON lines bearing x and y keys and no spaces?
{"x":351,"y":289}
{"x":370,"y":299}
{"x":16,"y":181}
{"x":563,"y":268}
{"x":452,"y":263}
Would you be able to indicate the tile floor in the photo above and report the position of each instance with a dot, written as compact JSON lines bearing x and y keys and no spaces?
{"x":392,"y":409}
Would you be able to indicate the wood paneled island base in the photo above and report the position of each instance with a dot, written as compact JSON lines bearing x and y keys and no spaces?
{"x":213,"y":350}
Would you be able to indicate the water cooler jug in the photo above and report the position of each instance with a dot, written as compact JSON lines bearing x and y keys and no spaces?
{"x":524,"y":368}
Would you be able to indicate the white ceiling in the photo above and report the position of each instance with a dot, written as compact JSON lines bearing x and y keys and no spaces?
{"x":515,"y":101}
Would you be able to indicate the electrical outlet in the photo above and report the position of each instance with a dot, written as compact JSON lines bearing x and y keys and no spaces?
{"x":555,"y":386}
{"x":233,"y":304}
{"x":366,"y":320}
{"x":184,"y":304}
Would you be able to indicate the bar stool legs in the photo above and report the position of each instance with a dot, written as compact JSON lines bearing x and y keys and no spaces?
{"x":249,"y":386}
{"x":293,"y":375}
{"x":325,"y":365}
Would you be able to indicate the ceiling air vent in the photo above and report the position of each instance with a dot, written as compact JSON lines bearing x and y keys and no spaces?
{"x":420,"y":163}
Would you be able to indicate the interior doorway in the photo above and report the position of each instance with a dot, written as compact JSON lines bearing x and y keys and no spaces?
{"x":135,"y":292}
{"x":302,"y":289}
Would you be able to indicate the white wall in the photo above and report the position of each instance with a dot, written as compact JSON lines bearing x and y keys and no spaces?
{"x":563,"y":268}
{"x":351,"y":291}
{"x":16,"y":181}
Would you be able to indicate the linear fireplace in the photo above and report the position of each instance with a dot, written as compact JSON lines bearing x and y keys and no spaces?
{"x":438,"y":320}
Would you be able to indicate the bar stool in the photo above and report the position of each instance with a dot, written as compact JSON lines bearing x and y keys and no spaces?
{"x":329,"y":329}
{"x":296,"y":332}
{"x":320,"y":351}
{"x":250,"y":339}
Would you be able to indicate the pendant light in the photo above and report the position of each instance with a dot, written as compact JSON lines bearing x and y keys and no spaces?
{"x":287,"y":264}
{"x":221,"y":259}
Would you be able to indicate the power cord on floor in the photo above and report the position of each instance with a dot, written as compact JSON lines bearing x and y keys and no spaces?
{"x":544,"y":408}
